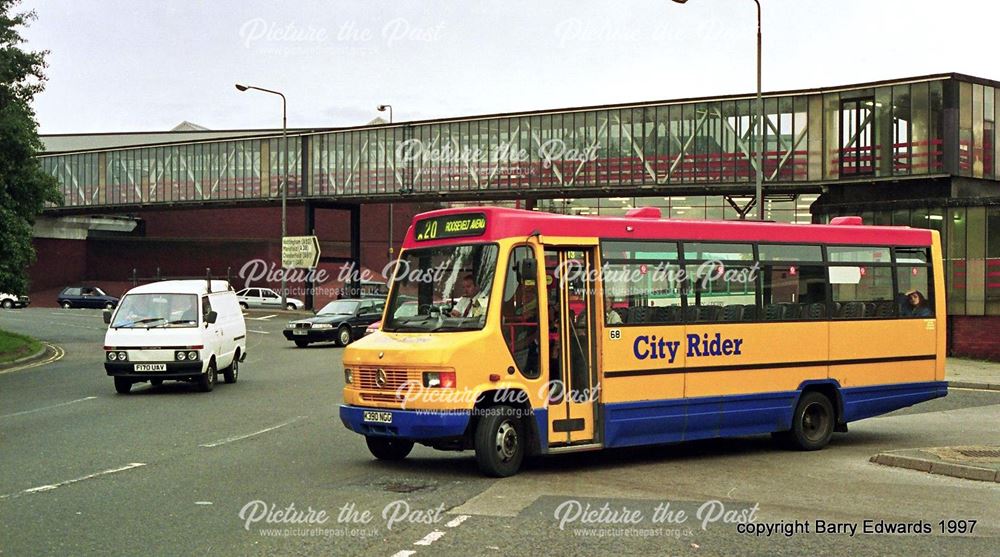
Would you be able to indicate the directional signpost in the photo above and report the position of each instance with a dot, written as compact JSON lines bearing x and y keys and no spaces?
{"x":299,"y":252}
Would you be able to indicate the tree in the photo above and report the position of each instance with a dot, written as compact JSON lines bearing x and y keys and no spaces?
{"x":24,"y":186}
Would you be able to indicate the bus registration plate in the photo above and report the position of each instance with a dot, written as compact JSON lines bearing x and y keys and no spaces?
{"x":378,"y":417}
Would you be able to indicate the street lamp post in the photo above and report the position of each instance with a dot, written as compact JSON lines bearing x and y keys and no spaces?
{"x":284,"y":184}
{"x":382,"y":108}
{"x":759,"y":132}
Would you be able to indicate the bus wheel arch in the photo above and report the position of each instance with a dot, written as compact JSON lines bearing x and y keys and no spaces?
{"x":817,"y":414}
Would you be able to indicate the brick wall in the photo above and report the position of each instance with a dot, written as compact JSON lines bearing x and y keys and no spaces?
{"x":975,"y":336}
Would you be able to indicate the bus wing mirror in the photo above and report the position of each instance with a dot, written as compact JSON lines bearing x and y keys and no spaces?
{"x":527,"y":269}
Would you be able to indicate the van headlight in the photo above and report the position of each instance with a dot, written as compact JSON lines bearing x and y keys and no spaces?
{"x":180,"y":356}
{"x":122,"y":356}
{"x":112,"y":356}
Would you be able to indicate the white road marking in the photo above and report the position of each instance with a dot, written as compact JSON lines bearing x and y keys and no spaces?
{"x":430,"y":538}
{"x":48,"y":407}
{"x":248,"y":435}
{"x":263,"y":318}
{"x":403,"y":553}
{"x":50,"y":487}
{"x":202,"y":502}
{"x":457,"y":520}
{"x":258,"y":332}
{"x":90,"y":327}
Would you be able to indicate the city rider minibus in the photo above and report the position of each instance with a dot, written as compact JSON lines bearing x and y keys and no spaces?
{"x":537,"y":333}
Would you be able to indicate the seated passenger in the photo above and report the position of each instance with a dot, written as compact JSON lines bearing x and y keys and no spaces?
{"x":918,"y":305}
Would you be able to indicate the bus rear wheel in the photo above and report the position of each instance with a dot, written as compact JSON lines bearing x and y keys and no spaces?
{"x":500,"y":442}
{"x":812,"y":424}
{"x":388,"y":448}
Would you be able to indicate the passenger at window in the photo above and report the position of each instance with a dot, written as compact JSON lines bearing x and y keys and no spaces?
{"x":918,"y":305}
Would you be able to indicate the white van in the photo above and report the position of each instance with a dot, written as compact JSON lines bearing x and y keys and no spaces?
{"x":180,"y":330}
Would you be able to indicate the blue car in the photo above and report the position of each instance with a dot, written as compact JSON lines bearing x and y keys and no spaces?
{"x":86,"y":297}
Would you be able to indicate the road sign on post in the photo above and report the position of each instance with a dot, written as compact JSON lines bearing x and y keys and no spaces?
{"x":299,"y":251}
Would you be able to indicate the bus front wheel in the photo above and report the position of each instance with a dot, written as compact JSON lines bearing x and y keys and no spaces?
{"x":387,"y":448}
{"x":812,"y":424}
{"x":500,"y":442}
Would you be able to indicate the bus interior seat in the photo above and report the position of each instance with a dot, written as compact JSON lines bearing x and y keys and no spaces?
{"x":708,"y":313}
{"x":750,"y":312}
{"x":732,"y":313}
{"x":773,"y":312}
{"x":639,"y":314}
{"x":815,"y":310}
{"x":791,"y":310}
{"x":666,"y":314}
{"x":852,"y":310}
{"x":885,"y":309}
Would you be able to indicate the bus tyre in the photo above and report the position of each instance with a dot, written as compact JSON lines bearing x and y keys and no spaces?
{"x":389,"y":448}
{"x":813,"y":422}
{"x":206,"y":381}
{"x":500,"y":442}
{"x":122,"y":385}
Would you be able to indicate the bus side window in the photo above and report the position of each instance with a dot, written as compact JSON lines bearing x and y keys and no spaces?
{"x":519,"y":319}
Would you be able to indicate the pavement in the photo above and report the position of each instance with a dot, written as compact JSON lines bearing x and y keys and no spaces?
{"x":972,"y":374}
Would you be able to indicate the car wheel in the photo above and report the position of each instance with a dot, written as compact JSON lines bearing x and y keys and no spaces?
{"x":7,"y":304}
{"x":343,"y":335}
{"x":66,"y":305}
{"x":244,"y":306}
{"x":290,"y":306}
{"x":109,"y":305}
{"x":500,"y":443}
{"x":233,"y":372}
{"x":206,"y":382}
{"x":389,"y":448}
{"x":302,"y":343}
{"x":123,"y":385}
{"x":156,"y":382}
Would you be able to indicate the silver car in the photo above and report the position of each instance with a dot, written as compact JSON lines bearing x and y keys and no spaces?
{"x":265,"y":298}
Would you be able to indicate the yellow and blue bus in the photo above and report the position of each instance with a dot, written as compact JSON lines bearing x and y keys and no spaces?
{"x":539,"y":333}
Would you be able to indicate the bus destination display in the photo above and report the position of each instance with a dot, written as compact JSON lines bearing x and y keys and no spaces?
{"x":451,"y":226}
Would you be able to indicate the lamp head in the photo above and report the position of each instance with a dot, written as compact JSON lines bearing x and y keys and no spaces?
{"x":382,"y":107}
{"x":244,"y":87}
{"x":680,"y":1}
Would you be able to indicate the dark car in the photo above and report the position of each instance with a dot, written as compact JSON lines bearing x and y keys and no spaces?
{"x":86,"y":297}
{"x":340,"y":321}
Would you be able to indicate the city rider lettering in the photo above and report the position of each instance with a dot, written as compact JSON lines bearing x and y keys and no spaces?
{"x":652,"y":348}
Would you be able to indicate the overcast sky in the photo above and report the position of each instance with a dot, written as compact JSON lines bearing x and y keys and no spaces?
{"x":148,"y":65}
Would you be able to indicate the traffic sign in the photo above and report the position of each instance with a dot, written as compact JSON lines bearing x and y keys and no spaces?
{"x":299,"y":251}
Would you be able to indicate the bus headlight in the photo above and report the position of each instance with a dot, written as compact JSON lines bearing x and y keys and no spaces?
{"x":439,"y":379}
{"x":348,"y":376}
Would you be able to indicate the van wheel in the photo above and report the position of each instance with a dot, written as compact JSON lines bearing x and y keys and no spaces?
{"x":232,"y":373}
{"x":206,"y":382}
{"x":499,"y":443}
{"x":123,"y":385}
{"x":813,"y":422}
{"x":388,"y":448}
{"x":344,"y":335}
{"x":244,"y":306}
{"x":66,"y":305}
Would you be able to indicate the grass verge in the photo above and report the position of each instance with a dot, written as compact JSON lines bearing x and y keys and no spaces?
{"x":14,"y":346}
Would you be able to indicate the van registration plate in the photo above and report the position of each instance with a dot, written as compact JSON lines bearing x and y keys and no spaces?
{"x":150,"y":367}
{"x":378,"y":417}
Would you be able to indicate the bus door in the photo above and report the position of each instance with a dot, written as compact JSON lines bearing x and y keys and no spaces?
{"x":572,"y":367}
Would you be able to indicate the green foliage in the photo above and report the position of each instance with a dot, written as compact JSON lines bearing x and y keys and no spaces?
{"x":24,"y":186}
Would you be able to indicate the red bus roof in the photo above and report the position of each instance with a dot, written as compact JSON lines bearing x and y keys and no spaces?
{"x":507,"y":223}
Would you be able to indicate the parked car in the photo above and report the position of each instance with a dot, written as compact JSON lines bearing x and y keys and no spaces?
{"x":407,"y":309}
{"x":8,"y":301}
{"x":340,"y":321}
{"x":180,"y":330}
{"x":266,"y":298}
{"x":85,"y":297}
